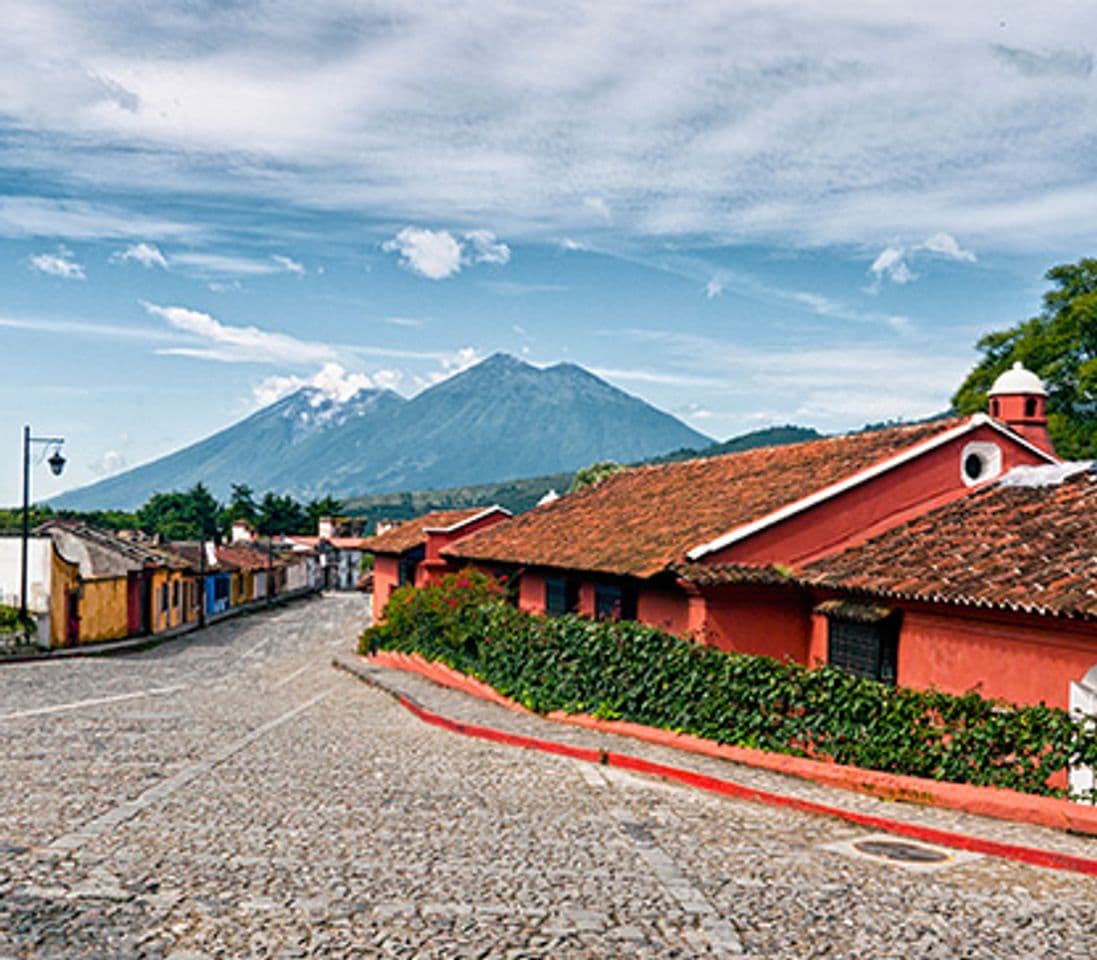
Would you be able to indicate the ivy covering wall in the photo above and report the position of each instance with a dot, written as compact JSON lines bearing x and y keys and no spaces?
{"x":625,"y":670}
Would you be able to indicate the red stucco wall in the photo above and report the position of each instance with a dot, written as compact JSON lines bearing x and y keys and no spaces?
{"x":667,"y":609}
{"x":770,"y":621}
{"x":531,"y":592}
{"x":386,"y":575}
{"x":1017,"y":659}
{"x":866,"y":510}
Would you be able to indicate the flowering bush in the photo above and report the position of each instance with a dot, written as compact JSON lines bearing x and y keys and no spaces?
{"x":635,"y":672}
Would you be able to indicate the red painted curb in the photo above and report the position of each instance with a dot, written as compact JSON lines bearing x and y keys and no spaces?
{"x":1008,"y":851}
{"x":994,"y":802}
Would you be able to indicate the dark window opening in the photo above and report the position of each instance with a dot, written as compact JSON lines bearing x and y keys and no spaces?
{"x":561,"y":596}
{"x":407,"y":566}
{"x":1030,"y":406}
{"x":973,"y":466}
{"x":163,"y":597}
{"x":175,"y":594}
{"x":614,"y":602}
{"x":994,"y":408}
{"x":866,"y":649}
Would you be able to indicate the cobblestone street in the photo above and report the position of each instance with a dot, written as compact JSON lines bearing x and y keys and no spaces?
{"x":229,"y":794}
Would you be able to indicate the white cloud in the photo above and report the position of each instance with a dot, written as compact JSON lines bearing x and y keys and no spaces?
{"x":411,"y":322}
{"x":58,"y":264}
{"x":229,"y":344}
{"x":146,"y":254}
{"x":437,"y":254}
{"x":945,"y":245}
{"x":891,"y":262}
{"x":715,"y":286}
{"x":484,"y":247}
{"x":434,"y":254}
{"x":112,"y":461}
{"x":332,"y":381}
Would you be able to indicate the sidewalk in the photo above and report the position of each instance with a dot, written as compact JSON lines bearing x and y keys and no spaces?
{"x":456,"y":708}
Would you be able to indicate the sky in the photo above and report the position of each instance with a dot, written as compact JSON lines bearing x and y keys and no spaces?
{"x":746,"y":214}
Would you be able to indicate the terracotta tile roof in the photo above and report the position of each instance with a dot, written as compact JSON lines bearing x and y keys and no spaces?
{"x":105,"y":554}
{"x":1013,"y":548}
{"x":715,"y":574}
{"x":191,"y":552}
{"x":412,"y":533}
{"x":246,"y":558}
{"x":639,"y":521}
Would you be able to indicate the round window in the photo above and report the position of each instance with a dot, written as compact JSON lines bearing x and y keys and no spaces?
{"x":973,"y":466}
{"x":979,"y":462}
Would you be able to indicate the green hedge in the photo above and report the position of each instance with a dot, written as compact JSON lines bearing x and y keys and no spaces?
{"x":630,"y":671}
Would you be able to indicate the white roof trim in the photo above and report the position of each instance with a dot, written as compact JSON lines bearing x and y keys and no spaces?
{"x":863,"y":476}
{"x":487,"y":511}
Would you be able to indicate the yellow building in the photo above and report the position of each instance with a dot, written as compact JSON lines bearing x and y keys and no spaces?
{"x":104,"y":588}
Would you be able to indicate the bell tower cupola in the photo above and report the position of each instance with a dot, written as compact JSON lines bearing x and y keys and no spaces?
{"x":1019,"y":400}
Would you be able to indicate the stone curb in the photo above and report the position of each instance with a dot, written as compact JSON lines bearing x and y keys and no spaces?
{"x":357,"y":666}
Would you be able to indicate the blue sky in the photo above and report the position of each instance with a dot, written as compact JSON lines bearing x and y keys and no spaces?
{"x":790,"y":212}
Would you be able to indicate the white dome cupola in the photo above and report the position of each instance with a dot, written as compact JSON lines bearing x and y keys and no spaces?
{"x":1018,"y":379}
{"x":1019,"y":400}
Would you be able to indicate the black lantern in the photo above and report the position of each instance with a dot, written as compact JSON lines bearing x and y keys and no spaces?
{"x":57,"y":463}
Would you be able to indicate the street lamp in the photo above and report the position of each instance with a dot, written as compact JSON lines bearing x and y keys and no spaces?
{"x":57,"y":464}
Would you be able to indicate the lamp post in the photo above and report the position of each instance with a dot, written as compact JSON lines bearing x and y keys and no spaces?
{"x":57,"y":464}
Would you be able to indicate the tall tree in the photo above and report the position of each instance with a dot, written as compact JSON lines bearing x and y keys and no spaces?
{"x":281,"y":514}
{"x":1060,"y":345}
{"x":324,"y":507}
{"x":190,"y":515}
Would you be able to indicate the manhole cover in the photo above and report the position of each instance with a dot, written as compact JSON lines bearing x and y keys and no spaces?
{"x":887,"y":848}
{"x":901,"y":851}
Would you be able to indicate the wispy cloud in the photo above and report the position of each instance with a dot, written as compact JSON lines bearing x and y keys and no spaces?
{"x":516,"y":288}
{"x":31,"y":216}
{"x":232,"y":265}
{"x":110,"y":462}
{"x":60,"y":264}
{"x":232,"y":344}
{"x":730,"y":133}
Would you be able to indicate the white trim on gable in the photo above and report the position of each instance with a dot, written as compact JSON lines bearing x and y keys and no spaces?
{"x":486,"y":512}
{"x":863,"y":476}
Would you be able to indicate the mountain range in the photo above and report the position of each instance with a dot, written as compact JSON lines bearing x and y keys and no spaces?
{"x":498,"y":420}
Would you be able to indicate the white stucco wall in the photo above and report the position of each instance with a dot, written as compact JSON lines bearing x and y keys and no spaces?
{"x":38,"y":572}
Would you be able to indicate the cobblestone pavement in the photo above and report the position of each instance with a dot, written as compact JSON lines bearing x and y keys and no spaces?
{"x":230,"y":795}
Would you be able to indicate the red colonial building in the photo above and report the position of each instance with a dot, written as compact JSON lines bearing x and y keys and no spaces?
{"x":957,"y":553}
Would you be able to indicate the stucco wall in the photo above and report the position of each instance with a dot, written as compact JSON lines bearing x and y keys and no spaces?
{"x":386,"y":576}
{"x":667,"y":609}
{"x":39,"y":551}
{"x":770,"y":621}
{"x":1009,"y":658}
{"x":103,"y":609}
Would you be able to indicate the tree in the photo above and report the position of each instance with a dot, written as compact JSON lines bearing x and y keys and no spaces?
{"x":594,"y":474}
{"x":181,"y":516}
{"x":281,"y":514}
{"x":324,"y":507}
{"x":1060,"y":346}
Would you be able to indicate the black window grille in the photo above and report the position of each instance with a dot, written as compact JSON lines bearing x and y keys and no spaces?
{"x":561,"y":596}
{"x":865,"y":649}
